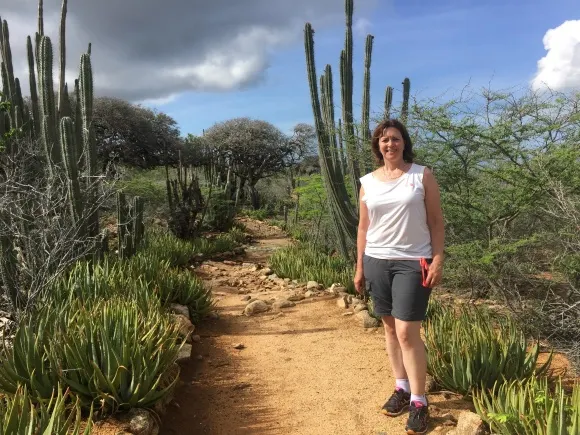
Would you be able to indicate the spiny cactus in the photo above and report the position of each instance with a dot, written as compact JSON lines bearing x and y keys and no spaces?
{"x":344,"y":218}
{"x":405,"y":105}
{"x":388,"y":101}
{"x":367,"y":156}
{"x":337,"y":162}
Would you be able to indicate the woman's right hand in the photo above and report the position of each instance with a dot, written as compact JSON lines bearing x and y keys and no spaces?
{"x":359,"y":281}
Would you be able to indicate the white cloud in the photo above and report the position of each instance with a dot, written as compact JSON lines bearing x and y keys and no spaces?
{"x":560,"y":68}
{"x":149,"y":52}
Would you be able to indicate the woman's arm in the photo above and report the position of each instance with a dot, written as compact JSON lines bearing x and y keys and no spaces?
{"x":361,"y":241}
{"x":436,"y":226}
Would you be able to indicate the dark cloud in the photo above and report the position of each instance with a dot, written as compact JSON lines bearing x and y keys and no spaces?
{"x":153,"y":49}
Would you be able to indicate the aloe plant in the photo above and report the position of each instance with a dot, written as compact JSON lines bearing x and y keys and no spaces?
{"x":19,"y":414}
{"x":304,"y":263}
{"x":114,"y":356}
{"x":529,"y":407}
{"x":469,"y":348}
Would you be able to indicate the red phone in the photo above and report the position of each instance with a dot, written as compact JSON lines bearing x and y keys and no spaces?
{"x":424,"y":270}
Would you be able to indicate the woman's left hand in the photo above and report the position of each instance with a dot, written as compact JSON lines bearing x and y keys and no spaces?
{"x":435,"y":274}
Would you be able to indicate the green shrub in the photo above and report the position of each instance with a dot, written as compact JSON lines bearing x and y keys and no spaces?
{"x":302,"y":262}
{"x":529,"y":407}
{"x":21,"y":415}
{"x":471,"y":349}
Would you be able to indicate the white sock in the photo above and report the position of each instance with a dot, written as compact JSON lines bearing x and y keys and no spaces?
{"x":416,"y":398}
{"x":403,"y":384}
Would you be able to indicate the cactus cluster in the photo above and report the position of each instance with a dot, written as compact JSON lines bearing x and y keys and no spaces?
{"x":67,"y":137}
{"x":343,"y":153}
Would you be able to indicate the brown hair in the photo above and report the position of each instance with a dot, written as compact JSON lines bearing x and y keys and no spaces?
{"x":408,"y":154}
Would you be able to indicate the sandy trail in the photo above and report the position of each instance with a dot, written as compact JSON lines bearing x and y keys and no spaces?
{"x":308,"y":371}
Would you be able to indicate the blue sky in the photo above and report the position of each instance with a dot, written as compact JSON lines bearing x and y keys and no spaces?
{"x":440,"y":46}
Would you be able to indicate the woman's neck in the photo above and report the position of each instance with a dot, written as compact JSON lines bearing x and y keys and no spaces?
{"x":393,"y":166}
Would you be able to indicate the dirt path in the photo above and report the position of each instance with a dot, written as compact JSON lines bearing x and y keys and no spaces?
{"x":310,"y":370}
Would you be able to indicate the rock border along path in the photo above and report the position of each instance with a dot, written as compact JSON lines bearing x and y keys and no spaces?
{"x":282,"y":359}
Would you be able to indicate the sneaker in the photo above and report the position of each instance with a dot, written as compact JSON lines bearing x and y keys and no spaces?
{"x":418,"y":416}
{"x":397,"y":403}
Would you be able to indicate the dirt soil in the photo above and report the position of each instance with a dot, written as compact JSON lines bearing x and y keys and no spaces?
{"x":305,"y":371}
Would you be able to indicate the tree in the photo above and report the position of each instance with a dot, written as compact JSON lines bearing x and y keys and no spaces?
{"x":133,"y":135}
{"x":253,"y":149}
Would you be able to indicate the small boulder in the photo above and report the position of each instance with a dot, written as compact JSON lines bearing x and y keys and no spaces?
{"x":185,"y":353}
{"x":342,"y":302}
{"x":284,"y":303}
{"x":179,"y":309}
{"x":366,"y":320}
{"x":255,"y":307}
{"x":296,"y":297}
{"x":186,"y":328}
{"x":468,"y":423}
{"x":141,"y":422}
{"x":309,"y":294}
{"x":311,"y":285}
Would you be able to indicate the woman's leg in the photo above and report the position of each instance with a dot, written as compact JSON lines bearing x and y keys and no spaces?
{"x":413,"y":354}
{"x":393,"y":348}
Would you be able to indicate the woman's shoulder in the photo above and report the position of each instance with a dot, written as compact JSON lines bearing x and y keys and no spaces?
{"x":367,"y":178}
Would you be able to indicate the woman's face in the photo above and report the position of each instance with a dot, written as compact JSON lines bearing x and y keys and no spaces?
{"x":391,"y":145}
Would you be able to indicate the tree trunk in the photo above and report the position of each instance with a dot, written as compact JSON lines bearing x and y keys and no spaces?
{"x":254,"y":197}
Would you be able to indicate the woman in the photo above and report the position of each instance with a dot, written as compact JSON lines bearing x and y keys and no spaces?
{"x":400,"y":258}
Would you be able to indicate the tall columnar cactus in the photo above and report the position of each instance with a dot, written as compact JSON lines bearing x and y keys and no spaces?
{"x":346,"y":91}
{"x":405,"y":105}
{"x":331,"y":153}
{"x":388,"y":101}
{"x":343,"y":214}
{"x":366,"y":108}
{"x":69,"y":152}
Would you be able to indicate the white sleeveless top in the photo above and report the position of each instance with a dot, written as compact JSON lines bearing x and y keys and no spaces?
{"x":398,"y":219}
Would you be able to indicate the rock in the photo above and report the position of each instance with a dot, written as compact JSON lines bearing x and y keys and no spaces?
{"x":309,"y":294}
{"x":348,"y":313}
{"x":185,"y":353}
{"x":179,"y":309}
{"x":296,"y":297}
{"x":342,"y":302}
{"x":284,"y":303}
{"x":228,"y":262}
{"x":246,"y":298}
{"x":367,"y":320}
{"x":199,"y":357}
{"x":273,"y":277}
{"x":266,"y":271}
{"x":468,"y":423}
{"x":448,"y":419}
{"x":311,"y":285}
{"x":142,"y":422}
{"x":287,"y":280}
{"x":256,"y":307}
{"x":196,"y":339}
{"x":239,"y":346}
{"x":186,"y":328}
{"x":360,"y":307}
{"x":430,"y":384}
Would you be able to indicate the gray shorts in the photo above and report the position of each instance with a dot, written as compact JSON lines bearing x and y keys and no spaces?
{"x":396,"y":288}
